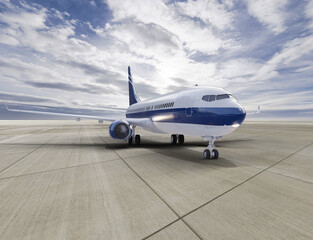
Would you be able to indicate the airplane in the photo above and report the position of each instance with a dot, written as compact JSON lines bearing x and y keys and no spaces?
{"x":209,"y":112}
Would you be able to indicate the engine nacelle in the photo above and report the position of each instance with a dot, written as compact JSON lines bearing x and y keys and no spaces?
{"x":120,"y":130}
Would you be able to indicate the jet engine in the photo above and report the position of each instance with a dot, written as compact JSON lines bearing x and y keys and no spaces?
{"x":120,"y":130}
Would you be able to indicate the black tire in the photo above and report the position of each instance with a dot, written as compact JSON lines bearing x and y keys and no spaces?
{"x":215,"y":154}
{"x":173,"y":139}
{"x":181,"y":139}
{"x":130,"y":141}
{"x":137,"y":139}
{"x":206,"y":154}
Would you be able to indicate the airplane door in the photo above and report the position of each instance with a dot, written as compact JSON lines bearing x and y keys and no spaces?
{"x":189,"y":110}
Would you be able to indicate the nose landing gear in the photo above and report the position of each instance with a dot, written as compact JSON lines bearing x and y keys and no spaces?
{"x":210,"y":153}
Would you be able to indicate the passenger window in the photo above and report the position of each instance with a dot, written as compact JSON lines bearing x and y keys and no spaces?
{"x":222,"y":96}
{"x":206,"y":98}
{"x":212,"y":98}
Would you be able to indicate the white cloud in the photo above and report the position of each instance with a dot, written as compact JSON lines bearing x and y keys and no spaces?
{"x":271,"y":13}
{"x":166,"y":47}
{"x":239,"y":67}
{"x":47,"y":50}
{"x":93,"y":3}
{"x":191,"y":34}
{"x":148,"y":40}
{"x":309,"y":12}
{"x":292,"y":50}
{"x":210,"y":11}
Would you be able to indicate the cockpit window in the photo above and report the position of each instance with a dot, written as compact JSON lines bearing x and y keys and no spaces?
{"x":206,"y":98}
{"x":232,"y":96}
{"x":222,"y":96}
{"x":212,"y":98}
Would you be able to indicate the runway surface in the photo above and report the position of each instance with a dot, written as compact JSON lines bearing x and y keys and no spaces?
{"x":70,"y":180}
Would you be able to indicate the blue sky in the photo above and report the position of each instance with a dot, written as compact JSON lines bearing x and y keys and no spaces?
{"x":74,"y":54}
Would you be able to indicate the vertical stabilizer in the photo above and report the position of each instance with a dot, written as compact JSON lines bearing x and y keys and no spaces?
{"x":133,"y":97}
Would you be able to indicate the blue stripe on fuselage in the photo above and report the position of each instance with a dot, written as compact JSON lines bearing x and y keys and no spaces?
{"x":203,"y":116}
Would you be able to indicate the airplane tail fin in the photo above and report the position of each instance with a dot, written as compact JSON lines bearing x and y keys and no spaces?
{"x":133,"y":97}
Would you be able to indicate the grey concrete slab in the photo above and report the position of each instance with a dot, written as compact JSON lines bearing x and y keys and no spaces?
{"x":9,"y":154}
{"x":262,"y":145}
{"x":16,"y":146}
{"x":269,"y":206}
{"x":98,"y":201}
{"x":177,"y":230}
{"x":123,"y":149}
{"x":299,"y":165}
{"x":77,"y":186}
{"x":66,"y":150}
{"x":184,"y":180}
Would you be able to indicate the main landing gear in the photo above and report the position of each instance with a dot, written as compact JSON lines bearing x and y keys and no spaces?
{"x":210,"y":152}
{"x":134,"y":138}
{"x":177,"y":138}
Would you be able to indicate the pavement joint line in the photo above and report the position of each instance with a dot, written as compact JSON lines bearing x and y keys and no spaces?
{"x":183,"y":216}
{"x":178,"y":217}
{"x":142,"y":155}
{"x":28,"y":154}
{"x":59,"y":169}
{"x":255,"y":175}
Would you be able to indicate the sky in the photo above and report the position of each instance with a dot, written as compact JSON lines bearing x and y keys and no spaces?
{"x":73,"y":55}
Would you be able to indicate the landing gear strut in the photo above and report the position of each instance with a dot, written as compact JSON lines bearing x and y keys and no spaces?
{"x":134,"y":137}
{"x":210,"y":152}
{"x":137,"y":139}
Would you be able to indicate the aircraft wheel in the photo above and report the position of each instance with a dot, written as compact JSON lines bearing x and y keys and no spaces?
{"x":173,"y":139}
{"x":130,"y":141}
{"x":206,"y":154}
{"x":181,"y":139}
{"x":137,"y":139}
{"x":215,"y":154}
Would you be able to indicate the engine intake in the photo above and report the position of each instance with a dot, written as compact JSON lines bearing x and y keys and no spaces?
{"x":120,"y":130}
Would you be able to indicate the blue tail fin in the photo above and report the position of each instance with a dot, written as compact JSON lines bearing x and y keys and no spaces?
{"x":133,"y":97}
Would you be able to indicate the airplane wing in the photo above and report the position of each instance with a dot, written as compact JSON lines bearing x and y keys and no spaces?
{"x":255,"y":112}
{"x":76,"y":116}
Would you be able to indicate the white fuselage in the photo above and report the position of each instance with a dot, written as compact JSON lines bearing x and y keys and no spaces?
{"x":190,"y":112}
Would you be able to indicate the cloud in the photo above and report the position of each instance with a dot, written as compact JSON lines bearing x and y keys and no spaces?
{"x":271,"y":13}
{"x":75,"y":57}
{"x":292,"y":51}
{"x":309,"y":13}
{"x":239,"y":67}
{"x":213,"y":13}
{"x":9,"y":97}
{"x":147,"y":39}
{"x":93,"y":3}
{"x":85,"y":88}
{"x":165,"y":16}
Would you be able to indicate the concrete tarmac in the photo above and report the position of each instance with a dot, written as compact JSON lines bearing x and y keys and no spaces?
{"x":70,"y":180}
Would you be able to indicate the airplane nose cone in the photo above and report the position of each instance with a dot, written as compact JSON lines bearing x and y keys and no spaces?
{"x":241,"y":114}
